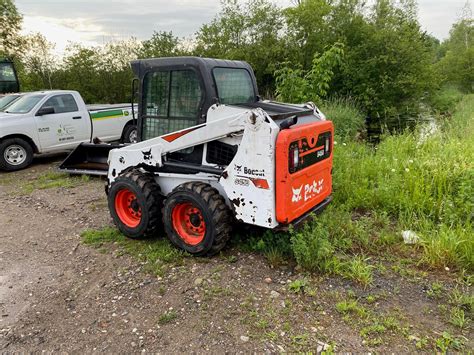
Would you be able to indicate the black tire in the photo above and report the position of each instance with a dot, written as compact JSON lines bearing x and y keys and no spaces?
{"x":144,"y":207}
{"x":212,"y":211}
{"x":129,"y":132}
{"x":15,"y":154}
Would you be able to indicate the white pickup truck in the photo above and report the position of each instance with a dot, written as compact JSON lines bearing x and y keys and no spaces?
{"x":53,"y":121}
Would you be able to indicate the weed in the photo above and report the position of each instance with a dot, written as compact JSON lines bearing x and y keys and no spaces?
{"x":352,"y":307}
{"x":167,"y":317}
{"x":447,"y":341}
{"x":458,"y":318}
{"x":155,"y":253}
{"x":462,"y":300}
{"x":358,"y":270}
{"x":298,"y":285}
{"x":435,"y":290}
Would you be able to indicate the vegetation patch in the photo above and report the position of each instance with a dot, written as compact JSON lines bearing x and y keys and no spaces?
{"x":52,"y":180}
{"x":158,"y":254}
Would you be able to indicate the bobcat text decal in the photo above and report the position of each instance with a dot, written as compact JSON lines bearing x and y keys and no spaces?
{"x":310,"y":191}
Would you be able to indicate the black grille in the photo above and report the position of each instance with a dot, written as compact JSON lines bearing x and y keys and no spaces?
{"x":220,"y":153}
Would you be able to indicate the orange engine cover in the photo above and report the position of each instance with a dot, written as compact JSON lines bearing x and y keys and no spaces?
{"x":300,"y":188}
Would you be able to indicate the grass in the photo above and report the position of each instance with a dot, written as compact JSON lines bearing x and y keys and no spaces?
{"x":53,"y":179}
{"x":404,"y":183}
{"x":157,"y":254}
{"x":167,"y":317}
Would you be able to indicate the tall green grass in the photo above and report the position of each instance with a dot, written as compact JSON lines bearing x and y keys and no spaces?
{"x":405,"y":182}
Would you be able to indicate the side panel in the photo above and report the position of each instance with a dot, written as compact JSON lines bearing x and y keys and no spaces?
{"x":108,"y":125}
{"x":299,"y":191}
{"x":249,"y":180}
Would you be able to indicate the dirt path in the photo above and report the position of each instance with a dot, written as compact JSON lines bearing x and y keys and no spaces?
{"x":58,"y":294}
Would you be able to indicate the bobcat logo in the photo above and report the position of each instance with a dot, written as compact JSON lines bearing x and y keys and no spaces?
{"x":297,"y":194}
{"x":147,"y":155}
{"x":238,"y":168}
{"x":310,"y":191}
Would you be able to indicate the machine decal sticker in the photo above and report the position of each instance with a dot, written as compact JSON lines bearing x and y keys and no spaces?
{"x":173,"y":136}
{"x":147,"y":155}
{"x":310,"y":191}
{"x":43,"y":130}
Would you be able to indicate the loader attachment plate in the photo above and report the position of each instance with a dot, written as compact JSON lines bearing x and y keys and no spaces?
{"x":303,"y":171}
{"x":88,"y":159}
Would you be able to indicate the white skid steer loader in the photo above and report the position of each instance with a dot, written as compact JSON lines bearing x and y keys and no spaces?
{"x":213,"y":154}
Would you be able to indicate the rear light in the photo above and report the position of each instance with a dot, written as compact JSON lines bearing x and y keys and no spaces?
{"x":327,"y":144}
{"x":294,"y":158}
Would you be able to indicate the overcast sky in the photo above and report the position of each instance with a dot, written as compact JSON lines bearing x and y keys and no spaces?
{"x":95,"y":22}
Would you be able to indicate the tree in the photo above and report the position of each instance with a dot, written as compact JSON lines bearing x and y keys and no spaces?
{"x":39,"y":62}
{"x":250,"y":31}
{"x":10,"y":20}
{"x":161,"y":44}
{"x":457,"y":65}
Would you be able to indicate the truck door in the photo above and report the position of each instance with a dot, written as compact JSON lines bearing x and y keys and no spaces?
{"x":61,"y":125}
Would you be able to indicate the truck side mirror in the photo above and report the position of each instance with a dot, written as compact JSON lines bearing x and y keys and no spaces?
{"x":48,"y":110}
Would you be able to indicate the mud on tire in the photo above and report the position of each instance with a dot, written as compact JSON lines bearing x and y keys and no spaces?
{"x":197,"y":219}
{"x":135,"y":203}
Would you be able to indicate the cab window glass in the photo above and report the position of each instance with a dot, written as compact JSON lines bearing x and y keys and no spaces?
{"x":62,"y":103}
{"x":172,"y":102}
{"x":6,"y":72}
{"x":234,"y":86}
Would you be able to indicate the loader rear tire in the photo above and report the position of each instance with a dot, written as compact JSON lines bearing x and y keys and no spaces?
{"x":135,"y":204}
{"x":197,"y":219}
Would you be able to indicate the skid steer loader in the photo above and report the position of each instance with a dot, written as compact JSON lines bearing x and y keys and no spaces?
{"x":212,"y":153}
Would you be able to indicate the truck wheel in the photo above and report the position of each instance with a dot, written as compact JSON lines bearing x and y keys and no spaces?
{"x":135,"y":203}
{"x":130,"y":134}
{"x":15,"y":154}
{"x":197,"y":219}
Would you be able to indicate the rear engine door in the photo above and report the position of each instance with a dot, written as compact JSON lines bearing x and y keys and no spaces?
{"x":303,"y":169}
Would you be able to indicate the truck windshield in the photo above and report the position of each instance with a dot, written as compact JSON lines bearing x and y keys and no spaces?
{"x":24,"y":104}
{"x":234,"y":86}
{"x":7,"y":100}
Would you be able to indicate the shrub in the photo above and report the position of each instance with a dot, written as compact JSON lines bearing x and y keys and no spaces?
{"x":444,"y":100}
{"x":347,"y":118}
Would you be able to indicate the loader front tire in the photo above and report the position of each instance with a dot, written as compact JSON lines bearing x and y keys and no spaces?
{"x":135,"y":204}
{"x":197,"y":219}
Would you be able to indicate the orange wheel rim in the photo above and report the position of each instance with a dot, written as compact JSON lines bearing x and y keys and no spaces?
{"x":189,"y":223}
{"x":127,"y":208}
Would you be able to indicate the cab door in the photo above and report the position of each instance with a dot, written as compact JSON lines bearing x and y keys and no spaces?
{"x":61,"y":126}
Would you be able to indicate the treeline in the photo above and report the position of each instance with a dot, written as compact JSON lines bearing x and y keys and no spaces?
{"x":375,"y":53}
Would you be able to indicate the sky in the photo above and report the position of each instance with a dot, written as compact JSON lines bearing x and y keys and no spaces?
{"x":94,"y":22}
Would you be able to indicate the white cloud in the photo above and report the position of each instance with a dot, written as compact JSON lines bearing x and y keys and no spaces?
{"x":62,"y":31}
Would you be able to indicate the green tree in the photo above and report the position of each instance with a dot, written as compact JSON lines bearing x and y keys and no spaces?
{"x":297,"y":85}
{"x":39,"y":63}
{"x":161,"y":44}
{"x":457,"y":64}
{"x":250,"y":31}
{"x":10,"y":26}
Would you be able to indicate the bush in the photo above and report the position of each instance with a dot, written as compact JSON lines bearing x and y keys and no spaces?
{"x":444,"y":101}
{"x":347,"y":118}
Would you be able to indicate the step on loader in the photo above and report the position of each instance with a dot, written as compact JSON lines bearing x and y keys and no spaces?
{"x":212,"y":154}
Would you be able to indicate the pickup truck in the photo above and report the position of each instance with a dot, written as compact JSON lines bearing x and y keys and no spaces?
{"x":54,"y":121}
